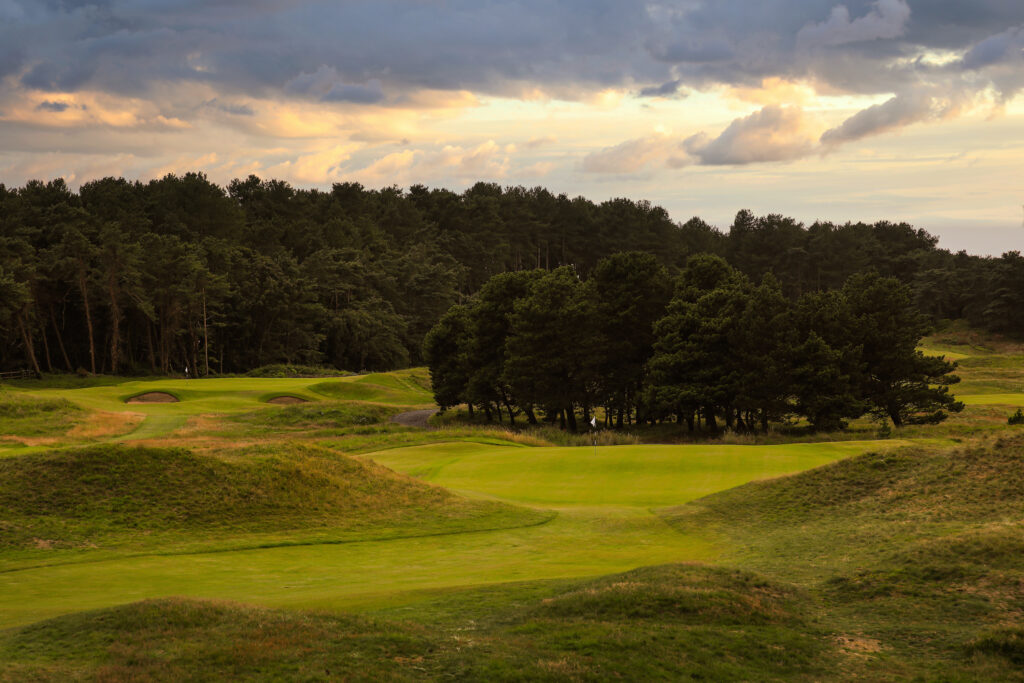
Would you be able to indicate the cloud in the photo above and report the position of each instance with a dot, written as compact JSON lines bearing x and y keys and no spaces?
{"x":664,"y":90}
{"x":901,"y":110}
{"x":488,"y":160}
{"x":231,"y":108}
{"x":389,"y":169}
{"x":326,"y":85}
{"x":540,"y":141}
{"x":887,"y":19}
{"x":628,"y":157}
{"x":772,"y":134}
{"x":52,"y":106}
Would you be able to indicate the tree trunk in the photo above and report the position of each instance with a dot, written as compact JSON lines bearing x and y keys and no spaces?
{"x":470,"y":406}
{"x":531,"y":417}
{"x":26,"y":336}
{"x":149,"y":343}
{"x":60,"y":341}
{"x":206,"y":337}
{"x":570,"y":416}
{"x":709,"y":419}
{"x":115,"y":324}
{"x":46,"y":349}
{"x":88,"y":320}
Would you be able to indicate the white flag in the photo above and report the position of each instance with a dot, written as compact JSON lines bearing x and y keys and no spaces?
{"x":593,"y":422}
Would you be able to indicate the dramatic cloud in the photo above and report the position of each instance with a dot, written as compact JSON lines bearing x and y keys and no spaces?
{"x":772,"y":134}
{"x":887,"y":19}
{"x":900,"y":111}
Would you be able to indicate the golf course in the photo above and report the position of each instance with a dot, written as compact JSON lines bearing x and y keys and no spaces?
{"x":216,"y":531}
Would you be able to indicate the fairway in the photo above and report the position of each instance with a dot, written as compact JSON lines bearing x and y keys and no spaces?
{"x":604,"y":523}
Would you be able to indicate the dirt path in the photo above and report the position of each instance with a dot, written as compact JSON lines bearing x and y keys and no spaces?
{"x":415,"y":418}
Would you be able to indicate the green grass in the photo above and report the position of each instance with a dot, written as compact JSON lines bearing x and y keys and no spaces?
{"x":643,"y":476}
{"x":105,"y":498}
{"x":885,"y":559}
{"x":23,"y":415}
{"x":610,"y":528}
{"x":924,"y":554}
{"x":656,"y":623}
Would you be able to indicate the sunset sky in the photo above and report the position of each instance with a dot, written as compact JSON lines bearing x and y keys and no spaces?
{"x":850,"y":110}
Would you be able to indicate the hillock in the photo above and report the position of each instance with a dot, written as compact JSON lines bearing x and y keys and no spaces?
{"x":114,"y":496}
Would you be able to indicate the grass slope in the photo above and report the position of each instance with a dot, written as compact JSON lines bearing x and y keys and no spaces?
{"x":23,"y":415}
{"x":135,"y":498}
{"x":924,"y":559}
{"x":669,"y":622}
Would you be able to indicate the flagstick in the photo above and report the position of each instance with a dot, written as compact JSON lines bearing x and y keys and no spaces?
{"x":593,"y":433}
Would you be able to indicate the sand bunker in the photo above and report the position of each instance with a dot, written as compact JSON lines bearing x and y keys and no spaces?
{"x":154,"y":397}
{"x":287,"y":400}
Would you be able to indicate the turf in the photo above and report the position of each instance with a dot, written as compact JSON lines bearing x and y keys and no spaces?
{"x":913,"y":538}
{"x":611,"y":528}
{"x":642,"y":476}
{"x":656,"y":623}
{"x":880,"y":560}
{"x":105,"y":498}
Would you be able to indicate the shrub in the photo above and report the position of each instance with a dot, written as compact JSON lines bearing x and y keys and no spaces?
{"x":1017,"y":418}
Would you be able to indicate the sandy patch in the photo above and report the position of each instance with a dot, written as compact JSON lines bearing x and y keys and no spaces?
{"x":287,"y":400}
{"x":153,"y":397}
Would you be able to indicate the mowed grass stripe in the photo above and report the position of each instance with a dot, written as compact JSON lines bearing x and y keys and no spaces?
{"x":361,"y":575}
{"x":642,"y":476}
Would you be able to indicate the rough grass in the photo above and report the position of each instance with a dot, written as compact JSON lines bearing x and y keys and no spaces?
{"x":23,"y":415}
{"x":672,"y":622}
{"x":176,"y":639}
{"x":406,"y":388}
{"x":284,"y":370}
{"x":919,"y":551}
{"x":315,"y":416}
{"x":111,"y":496}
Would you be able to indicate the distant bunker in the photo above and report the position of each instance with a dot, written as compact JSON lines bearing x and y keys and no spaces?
{"x":153,"y":397}
{"x":287,"y":400}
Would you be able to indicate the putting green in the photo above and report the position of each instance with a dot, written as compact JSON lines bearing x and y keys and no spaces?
{"x":605,"y":524}
{"x":642,"y":476}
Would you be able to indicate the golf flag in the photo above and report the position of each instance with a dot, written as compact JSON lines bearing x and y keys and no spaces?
{"x":593,"y":422}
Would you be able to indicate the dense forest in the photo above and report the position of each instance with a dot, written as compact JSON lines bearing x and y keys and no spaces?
{"x":711,"y":345}
{"x":129,"y":277}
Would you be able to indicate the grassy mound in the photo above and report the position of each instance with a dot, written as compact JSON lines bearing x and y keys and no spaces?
{"x":315,"y":416}
{"x":112,"y":495}
{"x":921,"y":552}
{"x":407,"y":388}
{"x":659,"y":623}
{"x":175,"y":640}
{"x":24,"y":415}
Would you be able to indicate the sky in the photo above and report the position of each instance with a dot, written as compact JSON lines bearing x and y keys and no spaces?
{"x":844,"y":110}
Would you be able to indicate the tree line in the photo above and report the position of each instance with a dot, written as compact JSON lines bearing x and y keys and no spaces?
{"x":130,"y":277}
{"x":711,"y":346}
